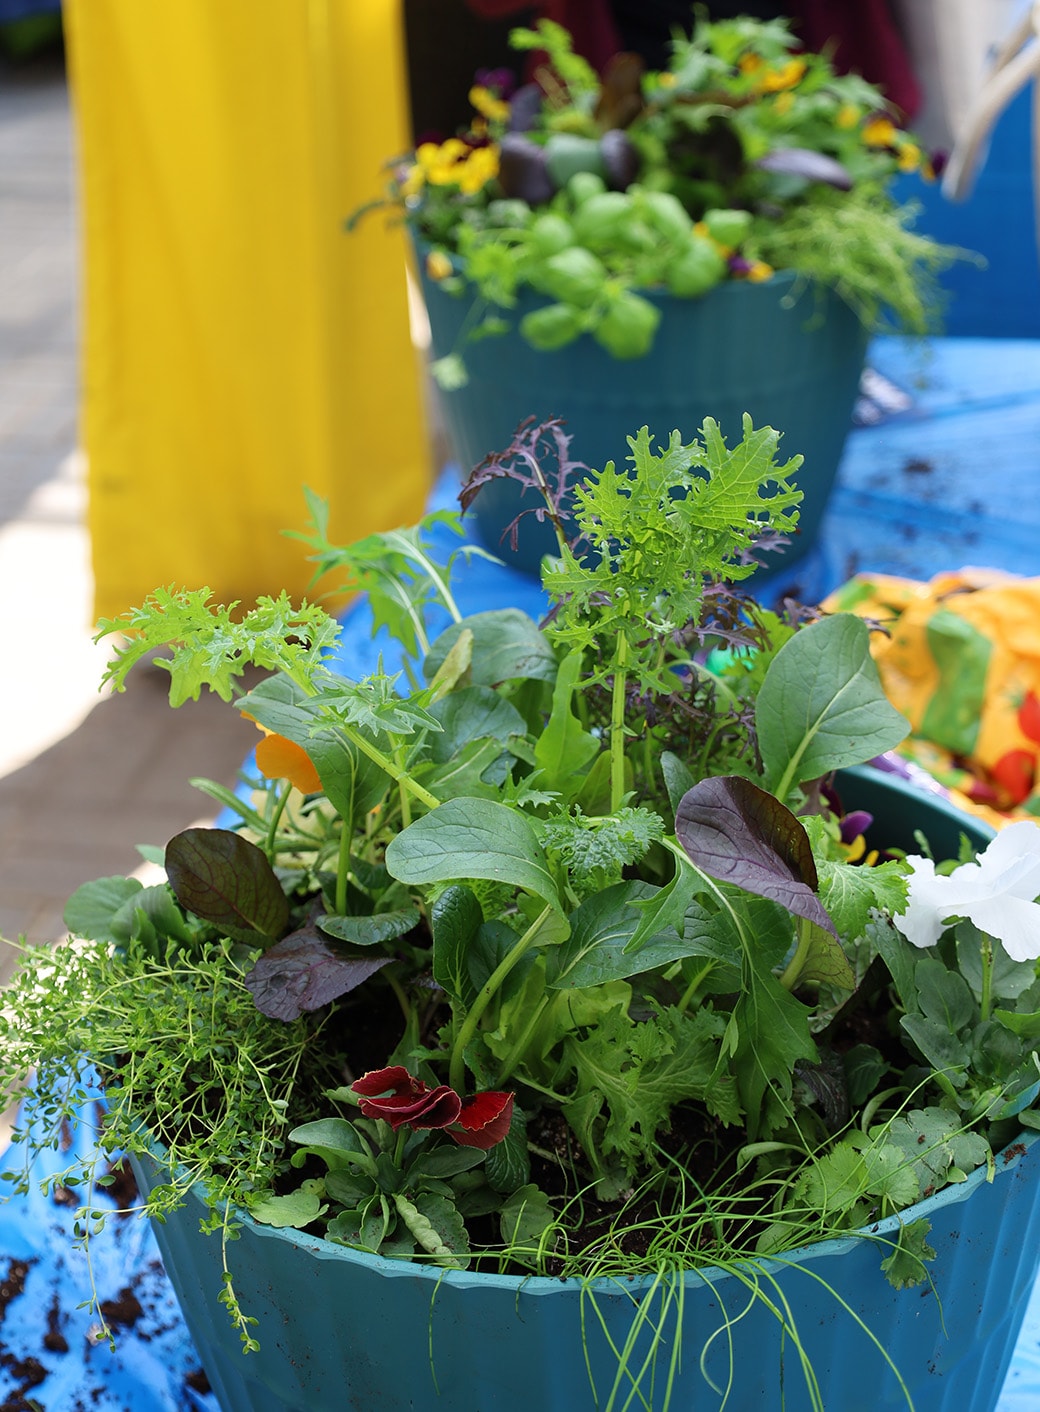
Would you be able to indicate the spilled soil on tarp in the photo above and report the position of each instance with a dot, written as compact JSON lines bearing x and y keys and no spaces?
{"x":42,"y":1328}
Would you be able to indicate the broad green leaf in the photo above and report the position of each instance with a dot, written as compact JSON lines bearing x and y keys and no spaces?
{"x":601,"y":928}
{"x":944,"y":995}
{"x":740,"y":834}
{"x":822,"y":706}
{"x":941,"y":1049}
{"x":297,"y":1209}
{"x":1008,"y":979}
{"x":525,"y":1216}
{"x":335,"y":1140}
{"x":157,"y":906}
{"x":472,"y":838}
{"x":678,"y":778}
{"x":226,"y":880}
{"x":825,"y":961}
{"x":456,"y":918}
{"x":445,"y":1161}
{"x":371,"y":930}
{"x":506,"y":644}
{"x":91,"y":908}
{"x":473,"y":713}
{"x":507,"y":1165}
{"x":476,"y":772}
{"x":564,"y":747}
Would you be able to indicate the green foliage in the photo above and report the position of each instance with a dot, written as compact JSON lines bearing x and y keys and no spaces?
{"x":211,"y":646}
{"x":740,"y":159}
{"x":537,"y":887}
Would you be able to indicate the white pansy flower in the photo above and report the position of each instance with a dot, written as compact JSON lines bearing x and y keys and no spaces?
{"x":997,"y":892}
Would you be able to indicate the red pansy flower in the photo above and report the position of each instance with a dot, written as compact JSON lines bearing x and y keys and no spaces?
{"x":398,"y":1097}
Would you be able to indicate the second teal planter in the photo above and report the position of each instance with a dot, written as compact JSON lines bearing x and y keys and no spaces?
{"x":792,"y":361}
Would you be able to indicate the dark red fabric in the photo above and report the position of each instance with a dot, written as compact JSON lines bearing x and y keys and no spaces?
{"x":864,"y":38}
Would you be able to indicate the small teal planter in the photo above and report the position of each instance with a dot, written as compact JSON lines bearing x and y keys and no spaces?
{"x":792,"y":363}
{"x":341,"y":1331}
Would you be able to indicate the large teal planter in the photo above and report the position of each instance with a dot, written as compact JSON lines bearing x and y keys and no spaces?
{"x":793,"y":362}
{"x":345,"y":1332}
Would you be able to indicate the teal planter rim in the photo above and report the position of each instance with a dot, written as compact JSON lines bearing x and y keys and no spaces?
{"x":1005,"y":1163}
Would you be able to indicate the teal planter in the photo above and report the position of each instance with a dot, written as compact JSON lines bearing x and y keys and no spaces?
{"x":345,"y":1332}
{"x":793,"y":362}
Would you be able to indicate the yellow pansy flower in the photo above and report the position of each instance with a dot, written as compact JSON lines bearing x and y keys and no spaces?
{"x":495,"y":109}
{"x":848,"y":116}
{"x":438,"y":265}
{"x":758,"y":272}
{"x":880,"y":132}
{"x":786,"y":76}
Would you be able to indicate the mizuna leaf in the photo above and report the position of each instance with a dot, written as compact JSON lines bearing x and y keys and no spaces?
{"x":821,"y":705}
{"x":303,"y":973}
{"x":224,"y":879}
{"x":472,"y":838}
{"x":740,"y":834}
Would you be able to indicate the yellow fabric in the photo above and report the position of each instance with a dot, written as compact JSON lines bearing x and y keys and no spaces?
{"x":238,"y":344}
{"x":961,"y":660}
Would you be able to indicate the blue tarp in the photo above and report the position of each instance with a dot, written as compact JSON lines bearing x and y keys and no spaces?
{"x":952,"y":478}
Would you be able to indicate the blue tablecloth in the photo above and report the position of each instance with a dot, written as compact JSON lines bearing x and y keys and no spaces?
{"x":950,"y":477}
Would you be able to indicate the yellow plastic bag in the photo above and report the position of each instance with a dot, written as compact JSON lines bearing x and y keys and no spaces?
{"x":238,"y":344}
{"x":962,"y":662}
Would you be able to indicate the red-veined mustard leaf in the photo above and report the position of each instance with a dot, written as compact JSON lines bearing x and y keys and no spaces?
{"x":224,"y":879}
{"x":738,"y":833}
{"x":303,"y":972}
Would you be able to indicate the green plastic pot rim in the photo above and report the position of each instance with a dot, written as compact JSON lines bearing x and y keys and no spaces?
{"x":637,"y":1285}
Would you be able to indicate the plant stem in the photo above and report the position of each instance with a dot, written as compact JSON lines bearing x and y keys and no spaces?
{"x":617,"y":726}
{"x":794,"y":967}
{"x":275,"y":819}
{"x":406,"y":803}
{"x":695,"y":984}
{"x":396,"y":773}
{"x":986,"y":1001}
{"x":487,"y":992}
{"x":342,"y":868}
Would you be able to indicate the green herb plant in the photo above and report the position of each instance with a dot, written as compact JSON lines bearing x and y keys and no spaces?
{"x":555,"y":959}
{"x":741,"y":159}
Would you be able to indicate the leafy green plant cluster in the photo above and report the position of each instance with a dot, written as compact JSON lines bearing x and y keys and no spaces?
{"x":742,"y":158}
{"x":512,"y":976}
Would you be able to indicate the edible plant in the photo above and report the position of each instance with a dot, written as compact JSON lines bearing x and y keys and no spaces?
{"x":744,"y":157}
{"x":548,"y":947}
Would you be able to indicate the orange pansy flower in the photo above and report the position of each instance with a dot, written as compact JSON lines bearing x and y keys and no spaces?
{"x":278,"y":758}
